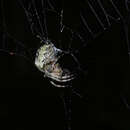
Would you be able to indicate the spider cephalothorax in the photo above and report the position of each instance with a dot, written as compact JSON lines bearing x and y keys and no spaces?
{"x":47,"y":61}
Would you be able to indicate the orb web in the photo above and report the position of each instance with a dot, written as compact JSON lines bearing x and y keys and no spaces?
{"x":71,"y":36}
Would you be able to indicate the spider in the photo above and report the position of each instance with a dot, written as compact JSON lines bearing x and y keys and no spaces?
{"x":47,"y":61}
{"x":51,"y":60}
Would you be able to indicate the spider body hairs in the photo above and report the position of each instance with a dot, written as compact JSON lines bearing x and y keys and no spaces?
{"x":62,"y":66}
{"x":47,"y":61}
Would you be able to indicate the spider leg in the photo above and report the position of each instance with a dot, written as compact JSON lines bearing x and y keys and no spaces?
{"x":67,"y":102}
{"x":33,"y":18}
{"x":44,"y":16}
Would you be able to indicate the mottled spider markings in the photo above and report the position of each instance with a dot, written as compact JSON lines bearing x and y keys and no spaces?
{"x":95,"y":17}
{"x":47,"y":61}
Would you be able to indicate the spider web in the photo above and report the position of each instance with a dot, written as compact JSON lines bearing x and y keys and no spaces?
{"x":92,"y":19}
{"x":38,"y":13}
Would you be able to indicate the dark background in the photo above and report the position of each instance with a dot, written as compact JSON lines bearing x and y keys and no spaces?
{"x":28,"y":101}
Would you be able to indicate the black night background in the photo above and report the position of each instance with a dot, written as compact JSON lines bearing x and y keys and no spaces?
{"x":28,"y":101}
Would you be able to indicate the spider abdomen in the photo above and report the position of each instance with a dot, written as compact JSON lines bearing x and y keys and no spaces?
{"x":48,"y":59}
